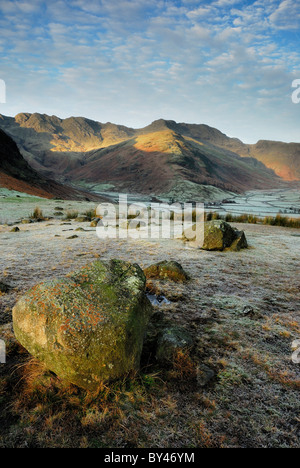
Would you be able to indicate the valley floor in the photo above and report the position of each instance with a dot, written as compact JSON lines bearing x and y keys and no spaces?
{"x":253,"y":399}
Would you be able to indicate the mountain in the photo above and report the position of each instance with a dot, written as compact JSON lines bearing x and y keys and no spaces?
{"x":16,"y":174}
{"x":163,"y":158}
{"x":283,"y":158}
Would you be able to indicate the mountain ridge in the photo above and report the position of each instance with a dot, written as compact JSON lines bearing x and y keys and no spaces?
{"x":152,"y":159}
{"x":16,"y":174}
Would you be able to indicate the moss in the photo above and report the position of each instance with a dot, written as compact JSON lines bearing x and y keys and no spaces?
{"x":88,"y":328}
{"x":167,"y":271}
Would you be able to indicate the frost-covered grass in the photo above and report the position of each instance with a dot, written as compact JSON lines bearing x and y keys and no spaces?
{"x":251,"y":402}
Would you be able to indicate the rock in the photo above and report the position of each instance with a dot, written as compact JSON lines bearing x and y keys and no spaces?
{"x":87,"y":328}
{"x":15,"y":229}
{"x":219,"y":236}
{"x":26,"y":221}
{"x":170,"y":341}
{"x":72,"y":237}
{"x":82,"y":219}
{"x":58,"y":214}
{"x":248,"y":310}
{"x":204,"y":375}
{"x":167,"y":270}
{"x":79,"y":230}
{"x":95,"y":222}
{"x":239,"y":243}
{"x":153,"y":332}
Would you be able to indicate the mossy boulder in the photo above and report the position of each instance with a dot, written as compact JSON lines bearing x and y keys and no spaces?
{"x":87,"y":328}
{"x":169,"y":270}
{"x":219,"y":236}
{"x":239,"y":243}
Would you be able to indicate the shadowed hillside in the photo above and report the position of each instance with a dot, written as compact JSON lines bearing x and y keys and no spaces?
{"x":16,"y":174}
{"x":152,"y":160}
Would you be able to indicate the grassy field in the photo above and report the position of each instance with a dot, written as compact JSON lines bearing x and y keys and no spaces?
{"x":242,"y":310}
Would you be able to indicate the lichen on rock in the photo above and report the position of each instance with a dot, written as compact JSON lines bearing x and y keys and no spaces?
{"x":219,"y":236}
{"x":87,"y":328}
{"x":167,"y":270}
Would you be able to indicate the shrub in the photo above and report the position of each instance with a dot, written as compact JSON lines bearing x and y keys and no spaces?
{"x":279,"y":220}
{"x":72,"y":214}
{"x":90,"y":214}
{"x":37,"y":214}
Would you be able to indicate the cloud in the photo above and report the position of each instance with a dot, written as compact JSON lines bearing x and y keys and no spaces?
{"x":132,"y":61}
{"x":286,"y":16}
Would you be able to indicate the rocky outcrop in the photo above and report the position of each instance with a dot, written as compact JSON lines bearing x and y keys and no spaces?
{"x":89,"y":327}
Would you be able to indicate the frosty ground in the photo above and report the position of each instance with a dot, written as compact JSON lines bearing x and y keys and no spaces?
{"x":253,"y":399}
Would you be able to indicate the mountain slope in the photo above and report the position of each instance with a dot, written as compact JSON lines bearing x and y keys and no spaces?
{"x":154,"y":162}
{"x":282,"y":158}
{"x":150,"y":160}
{"x":16,"y":174}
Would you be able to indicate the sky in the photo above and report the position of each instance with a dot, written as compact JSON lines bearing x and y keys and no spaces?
{"x":229,"y":64}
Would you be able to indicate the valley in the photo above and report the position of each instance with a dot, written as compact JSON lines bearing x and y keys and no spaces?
{"x":165,"y":159}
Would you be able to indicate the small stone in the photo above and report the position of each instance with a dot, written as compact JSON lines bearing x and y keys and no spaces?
{"x":95,"y":222}
{"x":167,"y":270}
{"x":170,"y":341}
{"x":26,"y":221}
{"x":82,"y":219}
{"x":204,"y":375}
{"x":248,"y":310}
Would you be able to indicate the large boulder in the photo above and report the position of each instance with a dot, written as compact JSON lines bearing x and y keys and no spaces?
{"x":87,"y":328}
{"x":219,"y":236}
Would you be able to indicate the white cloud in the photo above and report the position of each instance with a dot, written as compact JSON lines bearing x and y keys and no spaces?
{"x":134,"y":61}
{"x":287,"y":15}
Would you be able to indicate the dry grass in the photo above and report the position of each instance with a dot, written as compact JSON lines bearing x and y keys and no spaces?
{"x":37,"y":214}
{"x":251,"y":402}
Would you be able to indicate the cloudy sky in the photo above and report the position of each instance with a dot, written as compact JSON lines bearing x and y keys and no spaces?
{"x":226,"y":63}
